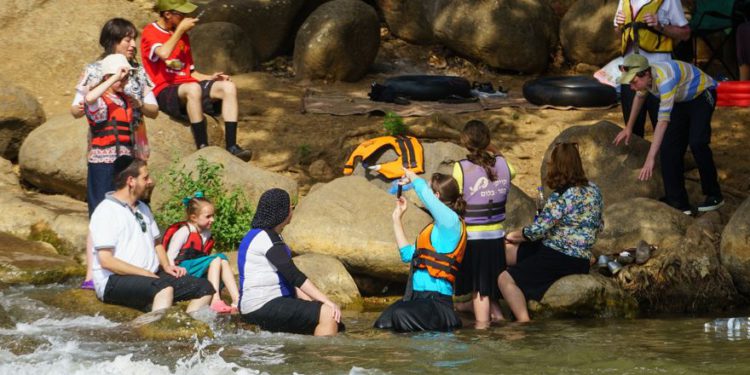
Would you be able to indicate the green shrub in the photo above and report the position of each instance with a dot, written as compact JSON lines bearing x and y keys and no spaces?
{"x":394,"y":124}
{"x":233,"y":212}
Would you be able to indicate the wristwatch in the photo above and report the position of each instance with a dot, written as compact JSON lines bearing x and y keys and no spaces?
{"x":661,"y":28}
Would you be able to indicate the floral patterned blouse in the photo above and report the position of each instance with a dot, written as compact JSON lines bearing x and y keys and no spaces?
{"x":569,"y":221}
{"x":136,"y":88}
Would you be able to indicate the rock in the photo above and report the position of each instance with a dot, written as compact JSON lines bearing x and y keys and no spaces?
{"x":33,"y":262}
{"x":586,"y":32}
{"x":350,"y":219}
{"x":585,"y":296}
{"x":320,"y":170}
{"x":267,"y":23}
{"x":330,"y":276}
{"x":22,"y":345}
{"x":408,"y":21}
{"x":627,"y":222}
{"x":253,"y":181}
{"x":84,"y":302}
{"x":54,"y":215}
{"x":735,"y":247}
{"x":221,"y":47}
{"x":8,"y":179}
{"x":6,"y":322}
{"x":62,"y":168}
{"x":472,"y":28}
{"x":683,"y":274}
{"x":338,"y":41}
{"x":20,"y":113}
{"x":519,"y":209}
{"x":613,"y":168}
{"x":170,"y":324}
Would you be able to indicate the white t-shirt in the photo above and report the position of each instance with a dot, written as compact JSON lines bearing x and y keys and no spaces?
{"x":114,"y":225}
{"x":670,"y":13}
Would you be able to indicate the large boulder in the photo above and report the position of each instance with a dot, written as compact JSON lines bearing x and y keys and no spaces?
{"x":62,"y":167}
{"x":57,"y":219}
{"x":735,"y":247}
{"x":520,"y":40}
{"x":350,"y":219}
{"x":267,"y":23}
{"x":221,"y":47}
{"x":473,"y":29}
{"x":586,"y":32}
{"x":585,"y":296}
{"x":684,"y":273}
{"x":253,"y":181}
{"x":613,"y":168}
{"x":20,"y":113}
{"x":33,"y":262}
{"x":338,"y":41}
{"x":410,"y":20}
{"x":330,"y":276}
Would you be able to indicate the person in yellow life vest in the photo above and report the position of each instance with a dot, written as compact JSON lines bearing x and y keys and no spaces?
{"x":651,"y":28}
{"x":428,"y":302}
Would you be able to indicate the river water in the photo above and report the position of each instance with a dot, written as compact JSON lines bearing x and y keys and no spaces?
{"x":57,"y":342}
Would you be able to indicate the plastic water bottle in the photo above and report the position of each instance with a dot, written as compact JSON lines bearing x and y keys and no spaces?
{"x":732,"y":327}
{"x":539,"y":201}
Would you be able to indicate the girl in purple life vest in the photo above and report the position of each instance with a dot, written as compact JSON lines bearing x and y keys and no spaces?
{"x":484,"y":180}
{"x":189,"y":245}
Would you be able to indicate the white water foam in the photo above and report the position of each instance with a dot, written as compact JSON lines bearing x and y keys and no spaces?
{"x":66,"y":358}
{"x":48,"y":324}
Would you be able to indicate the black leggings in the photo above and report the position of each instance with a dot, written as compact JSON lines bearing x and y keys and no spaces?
{"x":426,"y":311}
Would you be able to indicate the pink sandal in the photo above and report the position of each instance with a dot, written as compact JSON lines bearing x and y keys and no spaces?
{"x":221,"y":307}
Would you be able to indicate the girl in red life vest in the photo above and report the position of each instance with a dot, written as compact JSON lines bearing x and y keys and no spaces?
{"x":484,"y":181}
{"x":189,"y":245}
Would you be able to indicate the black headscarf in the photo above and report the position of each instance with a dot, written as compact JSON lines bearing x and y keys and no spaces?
{"x":272,"y":209}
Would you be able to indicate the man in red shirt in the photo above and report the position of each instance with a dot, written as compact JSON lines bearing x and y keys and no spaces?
{"x":179,"y":89}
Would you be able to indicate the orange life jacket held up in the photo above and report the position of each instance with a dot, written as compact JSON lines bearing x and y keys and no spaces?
{"x":409,"y":151}
{"x":116,"y":130}
{"x":439,"y":265}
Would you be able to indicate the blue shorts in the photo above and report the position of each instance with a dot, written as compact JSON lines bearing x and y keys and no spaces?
{"x":198,"y":267}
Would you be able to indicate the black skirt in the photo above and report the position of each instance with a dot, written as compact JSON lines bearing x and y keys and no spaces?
{"x":483,"y":262}
{"x":538,"y":267}
{"x":426,"y":311}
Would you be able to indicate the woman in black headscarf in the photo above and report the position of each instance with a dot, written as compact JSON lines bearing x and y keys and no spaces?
{"x":274,"y":294}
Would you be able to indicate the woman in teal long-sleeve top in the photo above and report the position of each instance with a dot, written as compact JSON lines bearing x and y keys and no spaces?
{"x":428,"y":304}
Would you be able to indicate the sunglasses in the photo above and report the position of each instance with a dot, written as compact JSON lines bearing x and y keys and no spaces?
{"x":574,"y":144}
{"x":139,"y":219}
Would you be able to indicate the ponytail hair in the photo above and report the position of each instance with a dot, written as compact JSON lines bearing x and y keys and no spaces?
{"x":447,"y":187}
{"x":476,"y":138}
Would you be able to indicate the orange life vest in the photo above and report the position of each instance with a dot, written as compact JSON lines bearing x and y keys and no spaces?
{"x":439,"y":265}
{"x":192,"y":248}
{"x":409,"y":151}
{"x":117,"y":129}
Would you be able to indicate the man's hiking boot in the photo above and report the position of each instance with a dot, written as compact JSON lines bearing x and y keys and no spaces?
{"x":711,"y":203}
{"x":239,"y":152}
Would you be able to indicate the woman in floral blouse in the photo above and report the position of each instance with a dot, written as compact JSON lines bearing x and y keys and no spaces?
{"x":559,"y":241}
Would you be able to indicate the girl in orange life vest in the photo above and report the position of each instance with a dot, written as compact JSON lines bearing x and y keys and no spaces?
{"x":484,"y":179}
{"x":428,"y":302}
{"x":189,"y":245}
